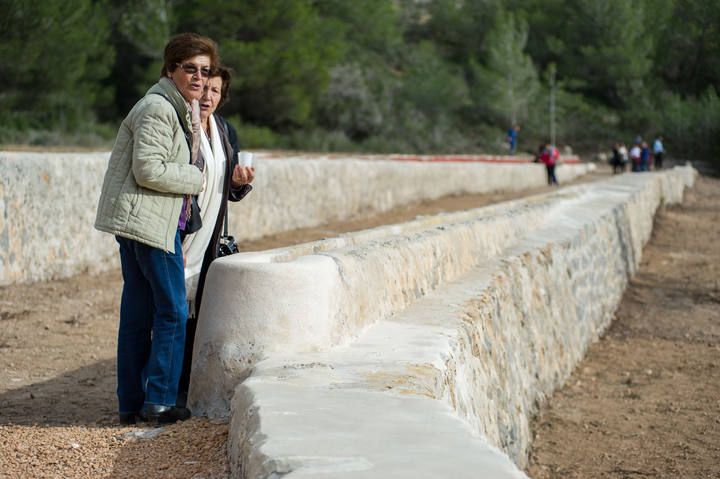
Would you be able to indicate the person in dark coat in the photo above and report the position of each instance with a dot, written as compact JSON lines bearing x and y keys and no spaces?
{"x":225,"y":180}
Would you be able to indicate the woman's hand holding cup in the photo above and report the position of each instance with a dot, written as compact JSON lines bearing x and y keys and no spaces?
{"x":245,"y":158}
{"x":244,"y":173}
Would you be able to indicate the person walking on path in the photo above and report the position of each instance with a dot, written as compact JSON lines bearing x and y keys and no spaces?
{"x":658,"y":152}
{"x":624,"y":157}
{"x":512,"y":138}
{"x":549,"y":157}
{"x":616,"y":160}
{"x":145,"y":202}
{"x":644,"y":157}
{"x":635,"y":157}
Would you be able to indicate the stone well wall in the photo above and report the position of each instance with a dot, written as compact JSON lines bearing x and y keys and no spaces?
{"x":332,"y":289}
{"x":48,"y":201}
{"x":422,"y":348}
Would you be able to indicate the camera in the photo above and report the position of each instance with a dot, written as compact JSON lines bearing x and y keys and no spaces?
{"x":227,"y":246}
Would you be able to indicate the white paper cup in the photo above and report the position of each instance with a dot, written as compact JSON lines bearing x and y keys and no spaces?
{"x":245,"y":158}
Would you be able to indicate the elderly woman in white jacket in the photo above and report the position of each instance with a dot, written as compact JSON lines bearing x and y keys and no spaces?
{"x":151,"y":175}
{"x":225,"y":180}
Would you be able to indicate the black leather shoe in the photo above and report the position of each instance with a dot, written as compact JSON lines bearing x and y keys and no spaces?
{"x":164,"y":414}
{"x":128,"y":418}
{"x":181,"y":400}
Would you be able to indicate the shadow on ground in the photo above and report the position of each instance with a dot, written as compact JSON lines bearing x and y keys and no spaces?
{"x":84,"y":396}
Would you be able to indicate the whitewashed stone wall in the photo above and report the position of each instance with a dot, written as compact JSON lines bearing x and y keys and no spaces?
{"x":47,"y":210}
{"x":48,"y":201}
{"x":438,"y":369}
{"x":299,"y":192}
{"x":316,"y":295}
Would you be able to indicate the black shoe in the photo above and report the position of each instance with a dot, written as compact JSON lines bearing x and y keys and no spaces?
{"x":181,"y":399}
{"x":164,"y":414}
{"x":128,"y":418}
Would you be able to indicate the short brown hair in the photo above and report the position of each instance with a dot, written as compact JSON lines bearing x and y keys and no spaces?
{"x":188,"y":45}
{"x":225,"y":74}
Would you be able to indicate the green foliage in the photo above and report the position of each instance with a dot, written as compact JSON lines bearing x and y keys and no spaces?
{"x":430,"y":85}
{"x":605,"y":49}
{"x":371,"y":29}
{"x":348,"y":104}
{"x":88,"y":135}
{"x":546,"y":22}
{"x":691,"y":127}
{"x":506,"y":85}
{"x":459,"y":28}
{"x":55,"y":56}
{"x":320,"y":140}
{"x":359,"y":98}
{"x":282,"y":51}
{"x":251,"y":136}
{"x":139,"y":31}
{"x":688,"y":47}
{"x":379,"y":75}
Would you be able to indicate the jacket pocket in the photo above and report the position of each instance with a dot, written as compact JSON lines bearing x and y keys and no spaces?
{"x":131,"y":196}
{"x":136,"y":202}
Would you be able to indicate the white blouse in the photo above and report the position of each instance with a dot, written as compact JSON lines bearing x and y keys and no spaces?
{"x":210,"y":201}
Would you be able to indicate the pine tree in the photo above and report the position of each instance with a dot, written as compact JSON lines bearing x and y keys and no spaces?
{"x":282,"y":51}
{"x":604,"y":48}
{"x":507,"y":82}
{"x":687,"y":56}
{"x":140,"y":29}
{"x":55,"y":54}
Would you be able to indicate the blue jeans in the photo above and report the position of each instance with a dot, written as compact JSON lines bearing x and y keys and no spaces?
{"x":552,"y":179}
{"x":153,"y":314}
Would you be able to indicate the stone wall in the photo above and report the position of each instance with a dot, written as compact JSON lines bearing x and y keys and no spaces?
{"x":297,"y":192}
{"x":421,"y":347}
{"x":48,"y":201}
{"x":334,"y":288}
{"x":47,"y":209}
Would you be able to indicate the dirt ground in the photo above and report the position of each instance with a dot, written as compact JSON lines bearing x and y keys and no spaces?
{"x":651,"y":386}
{"x":645,"y":402}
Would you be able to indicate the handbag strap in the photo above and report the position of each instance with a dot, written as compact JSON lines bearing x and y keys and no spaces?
{"x":223,"y":123}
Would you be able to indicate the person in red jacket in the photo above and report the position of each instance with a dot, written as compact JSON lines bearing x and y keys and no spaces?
{"x":549,"y":157}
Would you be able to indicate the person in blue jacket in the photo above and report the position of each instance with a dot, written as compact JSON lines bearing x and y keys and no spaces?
{"x":512,"y":137}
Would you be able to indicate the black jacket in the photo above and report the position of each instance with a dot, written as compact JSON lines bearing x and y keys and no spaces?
{"x":230,"y":145}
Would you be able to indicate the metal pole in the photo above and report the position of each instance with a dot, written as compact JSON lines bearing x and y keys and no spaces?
{"x":552,"y":105}
{"x":511,"y":89}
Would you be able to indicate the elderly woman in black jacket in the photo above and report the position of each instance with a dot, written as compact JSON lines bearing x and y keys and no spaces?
{"x":225,"y":180}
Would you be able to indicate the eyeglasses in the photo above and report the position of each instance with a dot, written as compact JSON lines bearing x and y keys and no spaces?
{"x":192,"y":69}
